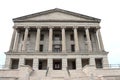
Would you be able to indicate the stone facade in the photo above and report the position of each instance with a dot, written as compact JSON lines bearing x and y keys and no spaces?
{"x":57,"y":45}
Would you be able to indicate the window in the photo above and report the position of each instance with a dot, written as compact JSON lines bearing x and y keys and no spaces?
{"x":72,"y":48}
{"x":42,"y":37}
{"x":14,"y":63}
{"x":98,"y":63}
{"x":29,"y":62}
{"x":57,"y":37}
{"x":57,"y":48}
{"x":57,"y":64}
{"x":72,"y":37}
{"x":41,"y":48}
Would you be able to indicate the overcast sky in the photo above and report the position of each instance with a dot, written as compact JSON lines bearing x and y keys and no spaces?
{"x":107,"y":10}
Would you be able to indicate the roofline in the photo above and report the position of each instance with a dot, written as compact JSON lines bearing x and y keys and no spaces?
{"x":52,"y":10}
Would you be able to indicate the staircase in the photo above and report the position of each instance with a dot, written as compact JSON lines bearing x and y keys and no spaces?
{"x":59,"y":75}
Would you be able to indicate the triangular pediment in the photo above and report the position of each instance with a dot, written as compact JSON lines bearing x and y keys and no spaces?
{"x":56,"y":15}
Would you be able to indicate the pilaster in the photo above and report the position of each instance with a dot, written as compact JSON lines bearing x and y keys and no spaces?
{"x":50,"y":63}
{"x":64,"y":63}
{"x":21,"y":61}
{"x":78,"y":63}
{"x":35,"y":63}
{"x":92,"y":61}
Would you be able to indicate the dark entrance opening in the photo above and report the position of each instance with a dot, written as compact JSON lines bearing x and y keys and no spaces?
{"x":29,"y":62}
{"x":98,"y":63}
{"x":71,"y":63}
{"x":14,"y":63}
{"x":57,"y":64}
{"x":42,"y":64}
{"x":85,"y":62}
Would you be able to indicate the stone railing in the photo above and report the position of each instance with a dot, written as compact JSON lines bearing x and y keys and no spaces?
{"x":112,"y":65}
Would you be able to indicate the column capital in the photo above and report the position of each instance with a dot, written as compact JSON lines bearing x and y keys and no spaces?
{"x":75,"y":27}
{"x":50,"y":27}
{"x":63,"y":27}
{"x":38,"y":27}
{"x":26,"y":27}
{"x":87,"y":27}
{"x":98,"y":28}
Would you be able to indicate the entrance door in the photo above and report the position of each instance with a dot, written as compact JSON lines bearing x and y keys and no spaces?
{"x":57,"y":64}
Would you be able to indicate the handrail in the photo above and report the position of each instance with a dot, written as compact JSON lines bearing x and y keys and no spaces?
{"x":47,"y":71}
{"x":68,"y":71}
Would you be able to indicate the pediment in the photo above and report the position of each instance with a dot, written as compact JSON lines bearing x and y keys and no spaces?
{"x":56,"y":15}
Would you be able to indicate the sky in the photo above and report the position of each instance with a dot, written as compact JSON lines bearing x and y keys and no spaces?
{"x":106,"y":10}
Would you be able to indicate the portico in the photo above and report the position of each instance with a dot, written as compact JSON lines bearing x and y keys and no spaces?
{"x":62,"y":35}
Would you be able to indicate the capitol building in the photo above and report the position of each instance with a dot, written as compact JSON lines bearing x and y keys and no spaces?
{"x":57,"y":45}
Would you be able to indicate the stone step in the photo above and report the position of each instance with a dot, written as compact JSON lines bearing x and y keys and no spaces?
{"x":58,"y":73}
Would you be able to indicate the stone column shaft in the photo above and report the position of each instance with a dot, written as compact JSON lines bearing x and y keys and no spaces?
{"x":25,"y":39}
{"x":88,"y":39}
{"x":15,"y":48}
{"x":76,"y":40}
{"x":100,"y":40}
{"x":63,"y":40}
{"x":12,"y":40}
{"x":37,"y":40}
{"x":50,"y":40}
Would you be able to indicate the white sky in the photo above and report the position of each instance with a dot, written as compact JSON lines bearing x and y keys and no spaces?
{"x":107,"y":10}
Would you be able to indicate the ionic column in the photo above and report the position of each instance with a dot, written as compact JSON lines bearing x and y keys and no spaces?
{"x":16,"y":41}
{"x":35,"y":63}
{"x":50,"y":39}
{"x":64,"y":64}
{"x":76,"y":40}
{"x":63,"y":40}
{"x":88,"y":39}
{"x":37,"y":40}
{"x":25,"y":39}
{"x":12,"y":40}
{"x":99,"y":38}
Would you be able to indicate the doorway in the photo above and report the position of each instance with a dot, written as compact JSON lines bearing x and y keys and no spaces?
{"x":57,"y":64}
